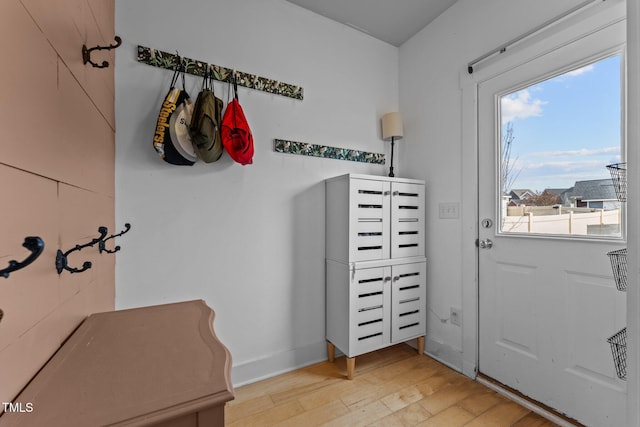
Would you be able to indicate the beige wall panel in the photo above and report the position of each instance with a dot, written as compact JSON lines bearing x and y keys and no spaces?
{"x":57,"y":175}
{"x":24,"y":356}
{"x":53,"y":128}
{"x":68,"y":24}
{"x":29,"y":294}
{"x":22,"y":359}
{"x":42,"y":308}
{"x":104,"y":15}
{"x":81,"y":213}
{"x":27,"y":110}
{"x":100,"y":82}
{"x":85,"y":145}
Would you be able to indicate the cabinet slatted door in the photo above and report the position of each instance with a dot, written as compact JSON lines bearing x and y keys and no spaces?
{"x":375,"y":232}
{"x":407,"y":220}
{"x":370,"y":238}
{"x":370,"y":309}
{"x":408,"y":296}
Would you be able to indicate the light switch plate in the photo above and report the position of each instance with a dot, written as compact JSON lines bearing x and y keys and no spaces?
{"x":449,"y":210}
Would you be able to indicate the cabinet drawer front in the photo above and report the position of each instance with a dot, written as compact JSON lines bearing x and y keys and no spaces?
{"x":368,"y":293}
{"x":408,"y":200}
{"x":370,"y":321}
{"x":369,"y":222}
{"x":369,"y":238}
{"x":369,"y":331}
{"x":369,"y":300}
{"x":368,"y":342}
{"x":368,"y":335}
{"x":409,"y":310}
{"x":373,"y":199}
{"x":409,"y":290}
{"x":408,"y":238}
{"x":368,"y":315}
{"x":407,"y":220}
{"x":408,"y":330}
{"x":409,"y":301}
{"x":369,"y":198}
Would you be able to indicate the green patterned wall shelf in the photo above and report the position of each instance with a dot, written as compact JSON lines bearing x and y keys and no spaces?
{"x":158,"y":58}
{"x":313,"y":150}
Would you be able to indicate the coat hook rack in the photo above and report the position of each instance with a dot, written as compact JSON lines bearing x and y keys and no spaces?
{"x":86,"y":53}
{"x":61,"y":258}
{"x":35,"y":245}
{"x":168,"y":61}
{"x":101,"y":244}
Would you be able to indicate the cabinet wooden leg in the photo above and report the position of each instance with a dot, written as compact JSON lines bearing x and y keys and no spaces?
{"x":351,"y":367}
{"x":331,"y":351}
{"x":421,"y":345}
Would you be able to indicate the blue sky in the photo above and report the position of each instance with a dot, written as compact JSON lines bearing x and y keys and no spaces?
{"x":567,"y":128}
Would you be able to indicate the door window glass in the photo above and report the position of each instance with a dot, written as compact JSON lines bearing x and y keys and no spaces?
{"x":557,"y":137}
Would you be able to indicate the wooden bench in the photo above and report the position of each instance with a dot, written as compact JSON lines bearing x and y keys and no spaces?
{"x":151,"y":366}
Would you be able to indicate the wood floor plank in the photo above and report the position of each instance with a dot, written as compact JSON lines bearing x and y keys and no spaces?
{"x":327,"y":394}
{"x":241,"y":407}
{"x":447,"y":396}
{"x":432,"y":384}
{"x":534,"y":420}
{"x":392,"y":387}
{"x":453,"y":416}
{"x":407,"y":416}
{"x":270,"y":417}
{"x":317,"y":416}
{"x":480,"y":402}
{"x":403,"y":398}
{"x":362,"y":417}
{"x":502,"y":415}
{"x":295,"y":391}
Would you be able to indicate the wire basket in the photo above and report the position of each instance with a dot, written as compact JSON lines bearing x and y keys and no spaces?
{"x":619,"y":349}
{"x":619,"y":178}
{"x":619,"y":266}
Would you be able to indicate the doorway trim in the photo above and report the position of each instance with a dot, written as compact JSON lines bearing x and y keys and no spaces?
{"x":633,"y":210}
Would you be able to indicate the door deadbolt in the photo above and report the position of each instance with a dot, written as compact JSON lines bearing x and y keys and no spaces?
{"x":487,"y":223}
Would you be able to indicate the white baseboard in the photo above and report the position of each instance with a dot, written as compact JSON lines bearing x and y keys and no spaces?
{"x":444,"y":354}
{"x":278,"y":363}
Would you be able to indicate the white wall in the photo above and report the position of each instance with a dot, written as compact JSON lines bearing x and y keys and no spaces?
{"x":431,"y":66}
{"x":248,"y":240}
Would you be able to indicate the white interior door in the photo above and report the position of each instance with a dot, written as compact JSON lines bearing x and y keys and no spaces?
{"x":547,"y":299}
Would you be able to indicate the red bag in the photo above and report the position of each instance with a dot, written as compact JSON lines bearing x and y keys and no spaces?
{"x":236,"y":134}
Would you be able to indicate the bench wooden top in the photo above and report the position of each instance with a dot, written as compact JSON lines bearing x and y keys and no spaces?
{"x":131,"y":367}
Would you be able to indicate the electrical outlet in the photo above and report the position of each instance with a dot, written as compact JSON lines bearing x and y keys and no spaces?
{"x":456,"y":316}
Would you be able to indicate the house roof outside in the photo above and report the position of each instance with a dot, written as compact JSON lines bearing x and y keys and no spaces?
{"x":557,"y":191}
{"x":595,"y":189}
{"x":522,"y":193}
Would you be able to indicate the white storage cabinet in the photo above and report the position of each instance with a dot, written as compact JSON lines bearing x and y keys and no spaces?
{"x":375,"y":264}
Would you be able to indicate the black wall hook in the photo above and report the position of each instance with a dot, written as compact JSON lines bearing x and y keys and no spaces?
{"x":35,"y":245}
{"x":101,"y":244}
{"x":86,"y":53}
{"x":61,"y":258}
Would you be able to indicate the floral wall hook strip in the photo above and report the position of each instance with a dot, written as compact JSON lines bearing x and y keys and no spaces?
{"x":313,"y":150}
{"x":158,"y":58}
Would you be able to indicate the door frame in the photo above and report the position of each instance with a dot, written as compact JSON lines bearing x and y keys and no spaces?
{"x":557,"y":35}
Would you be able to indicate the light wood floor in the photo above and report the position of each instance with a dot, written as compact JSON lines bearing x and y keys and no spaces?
{"x":392,"y":387}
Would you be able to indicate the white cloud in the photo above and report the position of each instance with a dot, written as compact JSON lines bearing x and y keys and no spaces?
{"x":520,"y":105}
{"x":581,"y":152}
{"x":580,"y":71}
